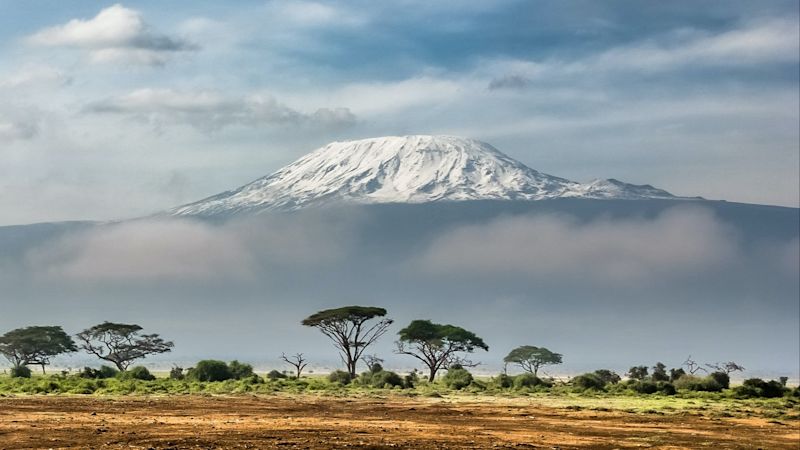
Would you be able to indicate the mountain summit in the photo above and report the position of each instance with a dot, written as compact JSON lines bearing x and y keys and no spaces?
{"x":406,"y":169}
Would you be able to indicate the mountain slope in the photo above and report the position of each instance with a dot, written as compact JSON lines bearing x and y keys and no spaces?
{"x":406,"y":169}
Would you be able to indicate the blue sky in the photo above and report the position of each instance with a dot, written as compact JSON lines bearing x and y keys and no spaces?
{"x":110,"y":111}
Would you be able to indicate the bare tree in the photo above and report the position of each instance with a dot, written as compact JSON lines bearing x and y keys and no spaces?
{"x":726,"y":367}
{"x":297,"y":361}
{"x":374,"y":364}
{"x":692,"y":366}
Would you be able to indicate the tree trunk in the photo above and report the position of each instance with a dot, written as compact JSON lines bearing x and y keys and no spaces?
{"x":432,"y":376}
{"x":43,"y":372}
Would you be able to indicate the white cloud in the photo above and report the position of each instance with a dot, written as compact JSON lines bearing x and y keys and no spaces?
{"x":34,"y":76}
{"x":211,"y":110}
{"x":680,"y":241}
{"x":116,"y":34}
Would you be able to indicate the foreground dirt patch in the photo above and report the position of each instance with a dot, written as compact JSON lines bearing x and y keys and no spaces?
{"x":295,"y":422}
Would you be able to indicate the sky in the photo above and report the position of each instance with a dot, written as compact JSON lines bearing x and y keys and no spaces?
{"x":112,"y":111}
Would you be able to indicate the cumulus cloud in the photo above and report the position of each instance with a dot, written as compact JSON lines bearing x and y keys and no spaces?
{"x":211,"y":110}
{"x":116,"y":34}
{"x":679,"y":241}
{"x":174,"y":250}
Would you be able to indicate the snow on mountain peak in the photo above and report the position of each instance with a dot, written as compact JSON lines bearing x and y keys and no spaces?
{"x":406,"y":169}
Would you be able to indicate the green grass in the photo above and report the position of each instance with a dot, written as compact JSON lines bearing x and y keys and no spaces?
{"x":715,"y":405}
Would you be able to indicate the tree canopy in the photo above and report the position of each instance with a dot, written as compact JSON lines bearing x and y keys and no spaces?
{"x":438,"y":345}
{"x":121,"y":343}
{"x":349,"y":330}
{"x":530,"y":358}
{"x":35,"y":345}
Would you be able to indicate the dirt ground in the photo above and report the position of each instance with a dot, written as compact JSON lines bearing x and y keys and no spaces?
{"x":307,"y":422}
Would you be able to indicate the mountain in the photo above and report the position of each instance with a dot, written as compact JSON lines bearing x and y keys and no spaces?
{"x":406,"y":169}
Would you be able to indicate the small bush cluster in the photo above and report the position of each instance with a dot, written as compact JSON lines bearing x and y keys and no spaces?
{"x":699,"y":384}
{"x":214,"y":370}
{"x":457,"y":377}
{"x":758,"y":388}
{"x":97,"y":374}
{"x":20,"y":372}
{"x":340,"y":376}
{"x":136,"y":373}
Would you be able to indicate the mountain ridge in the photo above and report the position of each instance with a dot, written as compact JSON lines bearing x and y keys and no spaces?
{"x":406,"y":169}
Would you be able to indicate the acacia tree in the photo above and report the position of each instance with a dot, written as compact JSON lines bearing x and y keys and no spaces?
{"x":349,"y":329}
{"x":530,"y":358}
{"x":35,"y":345}
{"x":297,"y":361}
{"x":438,"y":345}
{"x":121,"y":343}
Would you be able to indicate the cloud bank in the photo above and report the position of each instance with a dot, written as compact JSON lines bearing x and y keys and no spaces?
{"x":211,"y":110}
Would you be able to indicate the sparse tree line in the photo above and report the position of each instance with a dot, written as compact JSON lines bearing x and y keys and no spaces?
{"x":352,"y":330}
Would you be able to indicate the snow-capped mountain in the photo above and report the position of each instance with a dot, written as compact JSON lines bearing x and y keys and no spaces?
{"x":407,"y":169}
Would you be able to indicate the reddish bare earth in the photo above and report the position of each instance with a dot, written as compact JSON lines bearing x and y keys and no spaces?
{"x":307,"y":422}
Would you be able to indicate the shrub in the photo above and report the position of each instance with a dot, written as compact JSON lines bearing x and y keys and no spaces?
{"x":693,"y":383}
{"x":176,"y":373}
{"x":275,"y":375}
{"x":457,"y":377}
{"x":210,"y":370}
{"x":608,"y":376}
{"x":528,"y":380}
{"x":674,"y":374}
{"x":666,"y":388}
{"x":722,"y":378}
{"x":644,"y":387}
{"x":588,"y":381}
{"x":380,"y":379}
{"x":339,"y":376}
{"x":503,"y":381}
{"x":239,"y":370}
{"x":20,"y":372}
{"x":101,"y":373}
{"x":411,"y":380}
{"x":756,"y":387}
{"x":136,"y":373}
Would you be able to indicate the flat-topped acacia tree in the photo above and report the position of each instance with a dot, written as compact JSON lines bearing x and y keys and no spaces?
{"x":121,"y":343}
{"x":35,"y":345}
{"x":438,"y":345}
{"x":530,"y":358}
{"x":350,"y":330}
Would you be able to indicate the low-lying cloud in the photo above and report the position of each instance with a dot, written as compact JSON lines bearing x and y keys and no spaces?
{"x":679,"y":241}
{"x":175,"y":250}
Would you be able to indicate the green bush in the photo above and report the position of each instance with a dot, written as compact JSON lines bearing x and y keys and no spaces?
{"x":693,"y":383}
{"x":757,"y":388}
{"x":588,"y":381}
{"x":380,"y":379}
{"x":608,"y":376}
{"x":666,"y":388}
{"x":411,"y":380}
{"x":101,"y":373}
{"x":20,"y":372}
{"x":176,"y":373}
{"x":210,"y":370}
{"x":528,"y":380}
{"x":275,"y":375}
{"x":239,"y":370}
{"x":503,"y":381}
{"x":339,"y":376}
{"x":722,"y":378}
{"x":644,"y":387}
{"x":457,"y":378}
{"x":136,"y":373}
